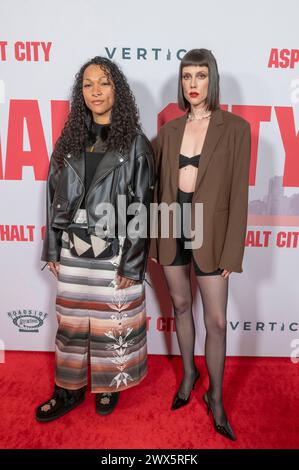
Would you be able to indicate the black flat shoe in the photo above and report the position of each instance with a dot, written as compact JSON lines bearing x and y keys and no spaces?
{"x":106,"y":402}
{"x":223,"y":429}
{"x":59,"y":404}
{"x":180,"y":401}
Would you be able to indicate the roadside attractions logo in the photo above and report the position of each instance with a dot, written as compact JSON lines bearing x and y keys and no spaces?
{"x":28,"y":321}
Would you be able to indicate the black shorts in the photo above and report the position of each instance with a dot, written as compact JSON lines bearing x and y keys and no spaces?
{"x":184,"y":255}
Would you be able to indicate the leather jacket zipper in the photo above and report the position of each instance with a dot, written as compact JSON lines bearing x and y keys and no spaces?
{"x":131,"y":190}
{"x":81,"y":198}
{"x":99,"y":179}
{"x":102,"y":177}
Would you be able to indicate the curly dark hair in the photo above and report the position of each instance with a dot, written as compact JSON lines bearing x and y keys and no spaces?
{"x":77,"y":131}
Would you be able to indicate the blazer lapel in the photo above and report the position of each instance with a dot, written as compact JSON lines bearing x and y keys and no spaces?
{"x":214,"y":132}
{"x":175,"y":141}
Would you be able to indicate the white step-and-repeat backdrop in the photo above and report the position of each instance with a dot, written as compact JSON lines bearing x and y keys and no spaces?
{"x":42,"y":46}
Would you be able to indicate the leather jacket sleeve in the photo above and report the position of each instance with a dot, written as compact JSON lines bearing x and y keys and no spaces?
{"x":135,"y":249}
{"x":157,"y":146}
{"x":52,"y":241}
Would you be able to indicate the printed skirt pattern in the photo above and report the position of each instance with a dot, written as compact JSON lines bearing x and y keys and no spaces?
{"x":98,"y":323}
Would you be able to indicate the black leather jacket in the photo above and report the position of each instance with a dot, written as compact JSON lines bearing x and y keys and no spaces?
{"x":130,"y":174}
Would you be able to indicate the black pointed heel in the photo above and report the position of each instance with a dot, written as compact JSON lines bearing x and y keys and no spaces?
{"x":178,"y":401}
{"x":223,"y":429}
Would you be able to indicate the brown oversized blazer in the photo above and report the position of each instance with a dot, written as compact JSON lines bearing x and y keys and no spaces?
{"x":221,"y":185}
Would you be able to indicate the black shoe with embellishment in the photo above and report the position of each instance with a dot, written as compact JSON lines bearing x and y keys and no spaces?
{"x":224,"y":429}
{"x":106,"y":402}
{"x":61,"y":402}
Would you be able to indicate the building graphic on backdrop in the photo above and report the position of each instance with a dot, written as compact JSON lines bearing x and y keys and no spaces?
{"x":275,"y":202}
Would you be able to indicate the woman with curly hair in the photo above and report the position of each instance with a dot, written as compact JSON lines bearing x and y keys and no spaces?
{"x":101,"y":163}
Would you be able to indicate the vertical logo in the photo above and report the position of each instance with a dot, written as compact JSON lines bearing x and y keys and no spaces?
{"x":142,"y":54}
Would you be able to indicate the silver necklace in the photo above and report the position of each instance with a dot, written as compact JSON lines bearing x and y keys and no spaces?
{"x":191,"y":117}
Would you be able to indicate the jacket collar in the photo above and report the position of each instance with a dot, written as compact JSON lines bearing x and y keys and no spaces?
{"x":110,"y":160}
{"x":214,"y":132}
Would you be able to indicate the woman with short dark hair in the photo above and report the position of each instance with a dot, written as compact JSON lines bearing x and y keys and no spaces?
{"x":203,"y":158}
{"x":100,"y":157}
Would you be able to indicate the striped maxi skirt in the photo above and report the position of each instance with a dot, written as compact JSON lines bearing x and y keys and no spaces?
{"x":98,"y":324}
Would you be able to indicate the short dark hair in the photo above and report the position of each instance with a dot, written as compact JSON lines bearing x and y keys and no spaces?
{"x":202,"y":57}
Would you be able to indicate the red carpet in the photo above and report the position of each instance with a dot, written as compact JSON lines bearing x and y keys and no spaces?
{"x":261,"y":399}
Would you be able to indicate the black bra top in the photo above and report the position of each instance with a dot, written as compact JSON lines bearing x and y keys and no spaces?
{"x":184,"y":161}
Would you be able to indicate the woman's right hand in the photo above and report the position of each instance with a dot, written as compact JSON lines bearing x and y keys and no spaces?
{"x":53,"y":266}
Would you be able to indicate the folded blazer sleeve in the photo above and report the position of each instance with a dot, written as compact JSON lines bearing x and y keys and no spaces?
{"x":52,"y":241}
{"x":234,"y":245}
{"x":135,"y":248}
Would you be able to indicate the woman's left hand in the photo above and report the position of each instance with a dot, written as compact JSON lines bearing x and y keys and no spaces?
{"x":124,"y":282}
{"x":225,"y":273}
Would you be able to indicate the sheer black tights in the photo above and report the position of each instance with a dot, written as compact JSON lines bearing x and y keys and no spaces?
{"x":214,"y":293}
